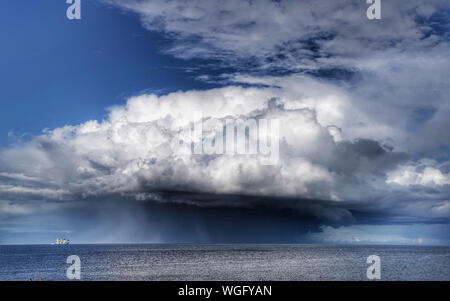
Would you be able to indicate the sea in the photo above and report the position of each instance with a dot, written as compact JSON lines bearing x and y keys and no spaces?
{"x":223,"y":262}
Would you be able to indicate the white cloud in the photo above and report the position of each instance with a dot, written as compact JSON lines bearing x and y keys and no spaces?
{"x":419,"y":174}
{"x":287,"y":34}
{"x":400,"y":65}
{"x":132,"y":154}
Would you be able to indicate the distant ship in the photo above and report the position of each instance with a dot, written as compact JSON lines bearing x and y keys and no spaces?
{"x":62,"y":241}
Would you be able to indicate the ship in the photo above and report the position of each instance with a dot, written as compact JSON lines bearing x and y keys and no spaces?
{"x":62,"y":241}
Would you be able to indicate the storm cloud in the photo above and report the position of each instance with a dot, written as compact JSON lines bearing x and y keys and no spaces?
{"x":363,"y":109}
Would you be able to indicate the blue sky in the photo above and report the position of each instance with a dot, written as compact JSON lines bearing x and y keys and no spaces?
{"x":90,"y":107}
{"x":56,"y":71}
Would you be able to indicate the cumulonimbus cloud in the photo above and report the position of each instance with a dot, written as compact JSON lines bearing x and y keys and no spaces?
{"x":367,"y":141}
{"x":131,"y":154}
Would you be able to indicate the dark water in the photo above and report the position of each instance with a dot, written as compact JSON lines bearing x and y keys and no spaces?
{"x":224,"y":262}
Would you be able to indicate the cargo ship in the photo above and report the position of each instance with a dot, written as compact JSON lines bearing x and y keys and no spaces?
{"x":62,"y":241}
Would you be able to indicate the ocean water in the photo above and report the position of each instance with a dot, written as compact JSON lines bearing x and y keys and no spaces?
{"x":223,"y":262}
